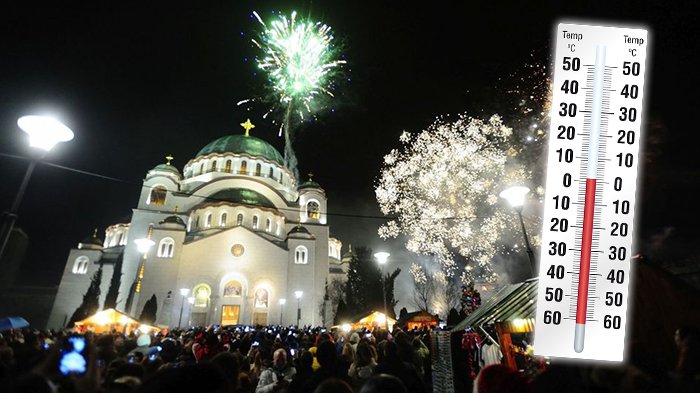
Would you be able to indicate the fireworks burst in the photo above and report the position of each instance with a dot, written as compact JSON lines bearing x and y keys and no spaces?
{"x":301,"y":62}
{"x":443,"y":188}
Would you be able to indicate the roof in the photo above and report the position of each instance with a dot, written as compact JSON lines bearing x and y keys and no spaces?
{"x":298,"y":229}
{"x":241,"y":144}
{"x":240,"y":196}
{"x":173,"y":220}
{"x":514,"y":301}
{"x":309,"y":184}
{"x":167,"y":167}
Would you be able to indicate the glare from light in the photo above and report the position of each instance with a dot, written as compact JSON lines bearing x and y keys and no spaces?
{"x":298,"y":294}
{"x":184,"y":291}
{"x":382,"y":257}
{"x":190,"y":300}
{"x":283,"y":302}
{"x":346,"y":327}
{"x":515,"y":195}
{"x":44,"y":131}
{"x":143,"y":245}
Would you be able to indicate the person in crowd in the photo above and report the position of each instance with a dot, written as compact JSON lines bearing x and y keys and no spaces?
{"x":327,"y":359}
{"x":229,"y":365}
{"x":393,"y":365}
{"x":278,"y":377}
{"x":333,"y":385}
{"x":304,"y":372}
{"x":498,"y":378}
{"x":383,"y":383}
{"x":363,"y":366}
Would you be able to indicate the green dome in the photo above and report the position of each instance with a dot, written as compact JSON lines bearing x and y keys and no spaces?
{"x":241,"y":196}
{"x":173,"y":220}
{"x":167,"y":167}
{"x":241,"y":144}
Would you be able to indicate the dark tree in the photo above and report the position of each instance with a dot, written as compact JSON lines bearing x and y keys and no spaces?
{"x":148,"y":315}
{"x":114,"y":283}
{"x":403,"y":312}
{"x":453,"y":317}
{"x":364,"y":286}
{"x":342,"y":314}
{"x":91,"y":300}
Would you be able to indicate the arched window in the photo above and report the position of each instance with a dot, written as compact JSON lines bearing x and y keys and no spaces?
{"x":301,"y":255}
{"x":80,"y":266}
{"x":313,"y":210}
{"x":121,"y":237}
{"x":258,"y":169}
{"x":268,"y":225}
{"x":271,"y":175}
{"x":157,"y":196}
{"x":196,"y":222}
{"x":207,"y":221}
{"x":213,"y":166}
{"x":233,"y":288}
{"x":227,"y":168}
{"x":244,"y":167}
{"x":255,"y":222}
{"x":201,"y":168}
{"x":166,"y":247}
{"x":280,"y":177}
{"x":222,"y":220}
{"x":239,"y":219}
{"x":201,"y":293}
{"x":262,"y":297}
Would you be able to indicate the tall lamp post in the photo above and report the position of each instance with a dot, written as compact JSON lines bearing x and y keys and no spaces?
{"x":44,"y":133}
{"x":282,"y":303}
{"x":142,"y":245}
{"x":184,"y":292}
{"x":516,"y":198}
{"x":190,"y":301}
{"x":298,"y":295}
{"x":382,"y":258}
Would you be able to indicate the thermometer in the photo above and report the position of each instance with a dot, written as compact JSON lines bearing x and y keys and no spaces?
{"x":590,"y":192}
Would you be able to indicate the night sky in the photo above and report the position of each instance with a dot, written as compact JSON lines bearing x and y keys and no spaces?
{"x":136,"y":83}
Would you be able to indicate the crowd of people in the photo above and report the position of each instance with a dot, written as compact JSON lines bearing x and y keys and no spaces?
{"x":278,"y":359}
{"x":214,"y":359}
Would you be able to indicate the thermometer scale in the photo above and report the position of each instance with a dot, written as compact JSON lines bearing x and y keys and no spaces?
{"x":590,"y":192}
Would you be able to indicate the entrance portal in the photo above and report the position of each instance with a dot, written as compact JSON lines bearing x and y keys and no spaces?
{"x":260,"y":318}
{"x":229,"y":315}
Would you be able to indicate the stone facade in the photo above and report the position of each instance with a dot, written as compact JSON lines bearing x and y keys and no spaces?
{"x":235,"y":231}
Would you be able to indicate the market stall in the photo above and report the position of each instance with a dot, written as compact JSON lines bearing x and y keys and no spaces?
{"x":370,"y":321}
{"x":507,"y":319}
{"x":418,"y":320}
{"x":111,"y":319}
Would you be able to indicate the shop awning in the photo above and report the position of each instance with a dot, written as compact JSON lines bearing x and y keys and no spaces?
{"x":513,"y":304}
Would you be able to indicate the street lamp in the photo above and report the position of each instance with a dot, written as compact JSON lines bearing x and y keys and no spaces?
{"x":382,"y":258}
{"x":190,"y":301}
{"x":184,"y":292}
{"x":282,"y":303}
{"x":44,"y":133}
{"x":298,"y":295}
{"x":142,"y":245}
{"x":516,"y":198}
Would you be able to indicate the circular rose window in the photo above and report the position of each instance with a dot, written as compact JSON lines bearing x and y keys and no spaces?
{"x":237,"y":250}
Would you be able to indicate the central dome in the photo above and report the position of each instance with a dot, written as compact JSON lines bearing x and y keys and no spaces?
{"x":241,"y":144}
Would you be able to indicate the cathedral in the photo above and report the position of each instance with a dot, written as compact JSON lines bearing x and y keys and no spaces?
{"x":232,"y":239}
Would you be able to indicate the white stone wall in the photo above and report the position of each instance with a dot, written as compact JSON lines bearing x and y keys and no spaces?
{"x":73,"y":286}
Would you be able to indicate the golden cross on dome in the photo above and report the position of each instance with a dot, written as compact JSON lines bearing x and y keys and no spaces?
{"x":169,"y":157}
{"x":311,"y":176}
{"x":248,"y":126}
{"x":94,"y":234}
